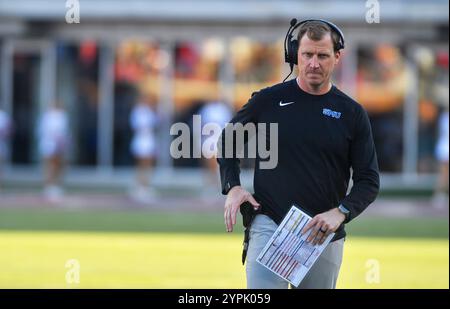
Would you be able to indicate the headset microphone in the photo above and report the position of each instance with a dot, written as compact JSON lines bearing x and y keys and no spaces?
{"x":287,"y":39}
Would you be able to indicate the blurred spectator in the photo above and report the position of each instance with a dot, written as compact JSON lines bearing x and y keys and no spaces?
{"x":53,"y":140}
{"x":186,"y":58}
{"x":143,"y":120}
{"x":441,"y":96}
{"x":440,"y":198}
{"x":427,"y":77}
{"x":219,"y":113}
{"x":5,"y":130}
{"x":382,"y":82}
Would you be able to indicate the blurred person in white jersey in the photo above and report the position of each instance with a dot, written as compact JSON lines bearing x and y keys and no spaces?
{"x":440,"y":197}
{"x":218,"y":113}
{"x":143,"y":121}
{"x":53,"y":142}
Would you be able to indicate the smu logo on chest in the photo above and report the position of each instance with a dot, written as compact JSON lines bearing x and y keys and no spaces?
{"x":330,"y":113}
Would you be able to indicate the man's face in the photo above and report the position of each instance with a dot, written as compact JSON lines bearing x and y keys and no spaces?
{"x":316,"y":61}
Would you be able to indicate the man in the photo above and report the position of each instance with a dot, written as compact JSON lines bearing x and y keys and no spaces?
{"x":322,"y":134}
{"x":144,"y":122}
{"x":218,"y":113}
{"x":440,"y":195}
{"x":441,"y":96}
{"x":53,"y":135}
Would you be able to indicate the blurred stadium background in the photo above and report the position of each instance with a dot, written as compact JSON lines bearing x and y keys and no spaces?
{"x":184,"y":54}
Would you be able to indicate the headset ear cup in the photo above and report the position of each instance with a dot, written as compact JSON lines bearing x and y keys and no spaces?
{"x":293,"y":46}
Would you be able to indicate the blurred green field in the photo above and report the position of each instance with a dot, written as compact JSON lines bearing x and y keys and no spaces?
{"x":142,"y":249}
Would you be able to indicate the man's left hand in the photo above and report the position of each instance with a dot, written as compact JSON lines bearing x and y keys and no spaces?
{"x":323,"y":225}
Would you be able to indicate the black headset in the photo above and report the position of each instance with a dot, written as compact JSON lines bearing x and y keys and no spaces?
{"x":291,"y":45}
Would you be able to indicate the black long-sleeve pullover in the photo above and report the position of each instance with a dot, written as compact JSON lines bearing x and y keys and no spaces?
{"x":321,"y":138}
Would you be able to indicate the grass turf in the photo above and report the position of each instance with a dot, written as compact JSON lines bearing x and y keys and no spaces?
{"x":194,"y":222}
{"x":190,"y":250}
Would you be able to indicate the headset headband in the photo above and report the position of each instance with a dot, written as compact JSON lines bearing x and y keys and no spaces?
{"x":291,"y":46}
{"x":295,"y":25}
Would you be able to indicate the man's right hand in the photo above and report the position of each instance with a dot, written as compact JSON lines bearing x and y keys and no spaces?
{"x":235,"y":198}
